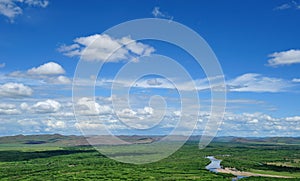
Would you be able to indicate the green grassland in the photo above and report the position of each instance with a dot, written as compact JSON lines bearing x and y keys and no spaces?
{"x":52,"y":160}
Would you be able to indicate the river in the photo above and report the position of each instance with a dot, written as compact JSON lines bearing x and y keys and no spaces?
{"x":215,"y":164}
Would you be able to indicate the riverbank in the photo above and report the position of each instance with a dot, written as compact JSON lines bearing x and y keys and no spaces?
{"x":236,"y":172}
{"x":215,"y":166}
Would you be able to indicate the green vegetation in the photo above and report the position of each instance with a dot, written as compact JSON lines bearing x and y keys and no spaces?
{"x":251,"y":156}
{"x":85,"y":163}
{"x":45,"y":161}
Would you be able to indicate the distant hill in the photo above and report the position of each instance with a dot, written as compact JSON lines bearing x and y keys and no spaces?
{"x":269,"y":140}
{"x":56,"y":139}
{"x":72,"y":140}
{"x":259,"y":140}
{"x":254,"y":140}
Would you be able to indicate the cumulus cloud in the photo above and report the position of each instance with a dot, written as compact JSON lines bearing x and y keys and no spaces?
{"x":146,"y":111}
{"x":50,"y":68}
{"x":259,"y":124}
{"x":48,"y":73}
{"x":294,"y":118}
{"x":284,"y":58}
{"x":127,"y":113}
{"x":98,"y":116}
{"x":8,"y":109}
{"x":54,"y":124}
{"x":15,"y":90}
{"x":252,"y":82}
{"x":87,"y":106}
{"x":177,"y":113}
{"x":24,"y":106}
{"x":48,"y":106}
{"x":13,"y":8}
{"x":106,"y":48}
{"x":253,"y":121}
{"x":141,"y":118}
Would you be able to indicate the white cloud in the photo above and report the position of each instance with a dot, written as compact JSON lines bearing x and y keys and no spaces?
{"x":283,"y":7}
{"x":141,"y":118}
{"x":242,"y":124}
{"x":146,"y":111}
{"x":150,"y":83}
{"x":127,"y":113}
{"x":12,"y":8}
{"x":294,"y":118}
{"x":24,"y":106}
{"x":15,"y":90}
{"x":153,"y":82}
{"x":59,"y":80}
{"x":50,"y":68}
{"x":2,"y":65}
{"x":87,"y":125}
{"x":48,"y":73}
{"x":8,"y":109}
{"x":48,"y":106}
{"x":246,"y":124}
{"x":105,"y":48}
{"x":54,"y":124}
{"x":37,"y":3}
{"x":87,"y":106}
{"x":253,"y":121}
{"x":9,"y":9}
{"x":252,"y":82}
{"x":28,"y":122}
{"x":63,"y":114}
{"x":249,"y":82}
{"x":163,"y":83}
{"x":68,"y":48}
{"x":290,"y":5}
{"x":177,"y":113}
{"x":158,"y":14}
{"x":284,"y":58}
{"x":296,"y":80}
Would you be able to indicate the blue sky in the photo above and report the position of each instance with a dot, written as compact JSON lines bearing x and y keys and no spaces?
{"x":256,"y":43}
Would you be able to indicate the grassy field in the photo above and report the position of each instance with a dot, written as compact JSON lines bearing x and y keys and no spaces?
{"x":19,"y":161}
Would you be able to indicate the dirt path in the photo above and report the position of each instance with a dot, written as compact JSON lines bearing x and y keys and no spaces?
{"x":247,"y":174}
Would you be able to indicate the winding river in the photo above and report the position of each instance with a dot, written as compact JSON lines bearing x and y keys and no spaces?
{"x":215,"y":164}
